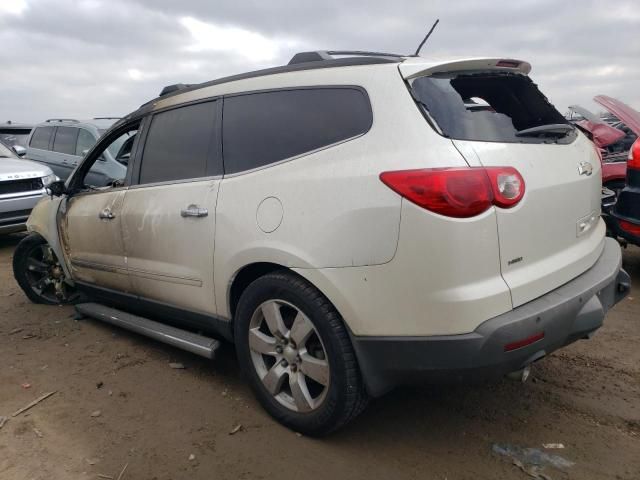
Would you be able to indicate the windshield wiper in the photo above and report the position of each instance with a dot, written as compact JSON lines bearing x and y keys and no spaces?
{"x":553,"y":129}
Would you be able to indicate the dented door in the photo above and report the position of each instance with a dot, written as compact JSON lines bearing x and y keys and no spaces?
{"x":91,"y":233}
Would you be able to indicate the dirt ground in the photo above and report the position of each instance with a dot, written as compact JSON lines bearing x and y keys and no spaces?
{"x":118,"y":403}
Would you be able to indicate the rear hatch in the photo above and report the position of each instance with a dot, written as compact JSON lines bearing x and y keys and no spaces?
{"x":496,"y":116}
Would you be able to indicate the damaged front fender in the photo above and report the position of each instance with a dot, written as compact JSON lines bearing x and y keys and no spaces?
{"x":44,"y":221}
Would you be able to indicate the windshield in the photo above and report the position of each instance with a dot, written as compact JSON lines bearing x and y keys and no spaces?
{"x":115,"y":147}
{"x":490,"y":107}
{"x":6,"y":152}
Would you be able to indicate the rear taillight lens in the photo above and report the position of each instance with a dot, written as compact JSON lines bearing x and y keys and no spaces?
{"x":631,"y":228}
{"x":458,"y":192}
{"x":634,"y":156}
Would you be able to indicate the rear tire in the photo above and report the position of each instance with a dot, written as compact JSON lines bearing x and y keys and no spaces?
{"x":296,"y":353}
{"x":37,"y":270}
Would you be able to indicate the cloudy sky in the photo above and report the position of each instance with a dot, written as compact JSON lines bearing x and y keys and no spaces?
{"x":85,"y":58}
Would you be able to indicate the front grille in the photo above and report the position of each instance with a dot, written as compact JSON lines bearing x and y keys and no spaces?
{"x":14,"y":218}
{"x":20,"y":186}
{"x":14,"y":214}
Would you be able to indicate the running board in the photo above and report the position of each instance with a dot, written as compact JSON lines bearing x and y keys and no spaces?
{"x":191,"y":342}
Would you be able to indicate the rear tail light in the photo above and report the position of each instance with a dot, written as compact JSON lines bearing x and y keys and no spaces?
{"x":458,"y":192}
{"x":634,"y":156}
{"x":631,"y":228}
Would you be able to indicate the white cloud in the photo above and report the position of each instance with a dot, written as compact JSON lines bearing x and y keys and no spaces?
{"x":13,"y":7}
{"x":134,"y":74}
{"x":249,"y":44}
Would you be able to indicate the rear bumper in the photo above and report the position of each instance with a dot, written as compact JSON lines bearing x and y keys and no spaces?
{"x":566,"y":314}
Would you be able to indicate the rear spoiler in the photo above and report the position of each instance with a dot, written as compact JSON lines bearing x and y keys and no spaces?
{"x":413,"y":68}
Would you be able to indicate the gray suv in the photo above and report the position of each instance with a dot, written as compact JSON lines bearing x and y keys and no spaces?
{"x":61,"y":143}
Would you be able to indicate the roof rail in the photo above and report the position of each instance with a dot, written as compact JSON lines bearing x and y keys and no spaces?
{"x":322,"y":55}
{"x":173,"y":88}
{"x":73,"y":120}
{"x":107,"y":118}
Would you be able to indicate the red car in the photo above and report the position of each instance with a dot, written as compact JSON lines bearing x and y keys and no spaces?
{"x":614,"y":166}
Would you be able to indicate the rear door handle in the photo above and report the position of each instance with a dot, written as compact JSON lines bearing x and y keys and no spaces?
{"x":106,"y":214}
{"x":194,"y":211}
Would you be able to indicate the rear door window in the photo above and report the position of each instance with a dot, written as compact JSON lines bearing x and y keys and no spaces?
{"x":41,"y":138}
{"x":491,"y":107}
{"x":65,"y":140}
{"x":182,"y":143}
{"x":263,"y":128}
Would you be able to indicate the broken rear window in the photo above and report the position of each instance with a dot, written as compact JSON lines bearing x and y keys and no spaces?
{"x":490,"y":107}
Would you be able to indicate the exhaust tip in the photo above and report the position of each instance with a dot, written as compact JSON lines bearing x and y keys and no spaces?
{"x":521,"y":375}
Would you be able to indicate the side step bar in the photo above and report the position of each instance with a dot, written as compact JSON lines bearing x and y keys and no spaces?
{"x":191,"y":342}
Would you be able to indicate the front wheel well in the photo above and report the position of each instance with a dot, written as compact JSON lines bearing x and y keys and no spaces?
{"x":245,"y":276}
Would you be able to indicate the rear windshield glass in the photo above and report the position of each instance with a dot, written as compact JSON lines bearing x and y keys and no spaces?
{"x":15,"y":137}
{"x":490,"y":107}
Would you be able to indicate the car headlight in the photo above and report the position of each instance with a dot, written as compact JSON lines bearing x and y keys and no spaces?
{"x":49,"y":179}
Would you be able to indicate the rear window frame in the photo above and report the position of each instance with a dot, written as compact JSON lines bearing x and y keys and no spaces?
{"x":433,"y":122}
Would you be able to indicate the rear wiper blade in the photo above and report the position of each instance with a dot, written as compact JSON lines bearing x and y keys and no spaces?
{"x":553,"y":129}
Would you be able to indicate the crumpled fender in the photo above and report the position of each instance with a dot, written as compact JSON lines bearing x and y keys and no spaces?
{"x":44,"y":221}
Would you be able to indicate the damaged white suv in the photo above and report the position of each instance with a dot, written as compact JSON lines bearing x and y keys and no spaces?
{"x":351,"y":221}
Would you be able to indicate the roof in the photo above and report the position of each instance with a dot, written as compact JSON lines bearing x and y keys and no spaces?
{"x":11,"y":125}
{"x":300,"y":61}
{"x":97,"y":122}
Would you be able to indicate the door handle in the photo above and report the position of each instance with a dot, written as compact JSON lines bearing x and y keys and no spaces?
{"x":106,"y":214}
{"x":194,"y":211}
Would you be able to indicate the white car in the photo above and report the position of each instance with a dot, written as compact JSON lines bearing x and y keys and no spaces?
{"x":22,"y":185}
{"x":350,"y":221}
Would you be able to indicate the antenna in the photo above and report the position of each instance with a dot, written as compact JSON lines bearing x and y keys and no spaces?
{"x":426,"y":38}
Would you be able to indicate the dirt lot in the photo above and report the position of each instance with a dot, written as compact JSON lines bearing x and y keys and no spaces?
{"x":119,"y":403}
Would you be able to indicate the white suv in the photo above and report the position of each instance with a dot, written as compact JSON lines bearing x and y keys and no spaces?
{"x":351,"y":221}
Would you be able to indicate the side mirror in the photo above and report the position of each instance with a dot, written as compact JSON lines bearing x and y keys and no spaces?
{"x":57,"y":188}
{"x":19,"y":150}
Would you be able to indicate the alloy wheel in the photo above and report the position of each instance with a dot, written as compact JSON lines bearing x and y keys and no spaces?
{"x":289,"y":356}
{"x":46,"y":276}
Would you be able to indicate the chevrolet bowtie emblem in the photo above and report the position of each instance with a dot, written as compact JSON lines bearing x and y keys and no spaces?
{"x":585,"y":168}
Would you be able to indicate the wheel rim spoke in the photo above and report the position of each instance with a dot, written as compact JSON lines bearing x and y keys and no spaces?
{"x":300,"y":392}
{"x":273,"y":317}
{"x":42,"y":284}
{"x":274,"y":378}
{"x":34,"y":265}
{"x":261,"y":343}
{"x":301,"y":329}
{"x":315,"y":368}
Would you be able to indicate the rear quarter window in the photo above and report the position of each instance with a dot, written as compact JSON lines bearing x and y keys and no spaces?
{"x":41,"y":138}
{"x":490,"y":106}
{"x":263,"y":128}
